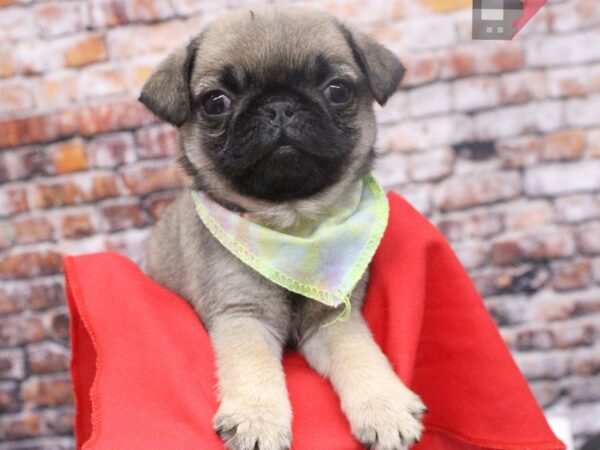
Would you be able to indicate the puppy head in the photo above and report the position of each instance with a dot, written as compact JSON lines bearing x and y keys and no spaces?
{"x":274,"y":104}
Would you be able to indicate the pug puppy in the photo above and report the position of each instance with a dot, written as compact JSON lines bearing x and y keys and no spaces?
{"x":275,"y":112}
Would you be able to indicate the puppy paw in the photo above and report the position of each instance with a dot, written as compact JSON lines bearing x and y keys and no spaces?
{"x":254,"y":425}
{"x":387,"y":417}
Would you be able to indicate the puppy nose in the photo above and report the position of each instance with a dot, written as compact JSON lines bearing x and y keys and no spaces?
{"x":280,"y":112}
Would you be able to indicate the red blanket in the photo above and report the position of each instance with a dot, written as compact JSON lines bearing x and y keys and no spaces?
{"x":144,"y":376}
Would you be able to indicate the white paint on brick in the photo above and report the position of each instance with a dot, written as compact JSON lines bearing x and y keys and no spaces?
{"x":514,"y":120}
{"x":424,"y":33}
{"x":563,"y":49}
{"x":470,"y":94}
{"x":583,"y":112}
{"x":390,"y":170}
{"x":431,"y":165}
{"x":429,"y":100}
{"x":565,"y":178}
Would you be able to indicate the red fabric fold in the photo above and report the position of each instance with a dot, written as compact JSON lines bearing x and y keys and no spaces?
{"x":144,"y":376}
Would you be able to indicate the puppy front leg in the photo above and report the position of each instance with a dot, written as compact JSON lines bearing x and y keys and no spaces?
{"x":383,"y":413}
{"x":255,"y":411}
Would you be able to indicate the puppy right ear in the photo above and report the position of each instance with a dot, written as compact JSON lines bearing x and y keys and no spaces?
{"x":382,"y":68}
{"x":167,"y":91}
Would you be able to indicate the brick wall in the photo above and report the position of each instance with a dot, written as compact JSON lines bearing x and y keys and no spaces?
{"x":497,"y":142}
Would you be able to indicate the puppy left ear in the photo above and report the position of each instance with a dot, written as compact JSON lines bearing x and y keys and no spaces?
{"x":167,"y":91}
{"x":383,"y":69}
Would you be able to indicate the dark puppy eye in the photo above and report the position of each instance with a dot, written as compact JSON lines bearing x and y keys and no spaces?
{"x":216,"y":103}
{"x":338,"y":92}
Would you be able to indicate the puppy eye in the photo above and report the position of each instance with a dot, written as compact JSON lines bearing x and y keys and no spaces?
{"x":216,"y":103}
{"x":338,"y":92}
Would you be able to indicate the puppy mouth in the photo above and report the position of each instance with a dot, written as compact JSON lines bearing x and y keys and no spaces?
{"x":286,"y":150}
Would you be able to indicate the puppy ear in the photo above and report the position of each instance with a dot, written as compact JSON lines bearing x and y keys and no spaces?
{"x":167,"y":91}
{"x":381,"y":67}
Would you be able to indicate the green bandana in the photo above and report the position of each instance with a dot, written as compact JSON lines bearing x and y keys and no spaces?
{"x":322,"y":261}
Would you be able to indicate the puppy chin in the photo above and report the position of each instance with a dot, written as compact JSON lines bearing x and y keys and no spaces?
{"x":287,"y":173}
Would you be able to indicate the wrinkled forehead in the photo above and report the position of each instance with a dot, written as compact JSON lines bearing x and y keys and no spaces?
{"x":274,"y":45}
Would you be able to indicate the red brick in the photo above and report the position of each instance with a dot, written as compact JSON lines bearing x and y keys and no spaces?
{"x":9,"y":397}
{"x":13,"y":200}
{"x":594,"y":143}
{"x":543,"y":366}
{"x":124,"y":215}
{"x":106,"y":13}
{"x":103,"y":186}
{"x":534,"y":247}
{"x":7,"y":61}
{"x":133,"y":41}
{"x":100,"y":82}
{"x":15,"y":96}
{"x":59,"y":324}
{"x":20,"y":163}
{"x":464,"y":60}
{"x":73,"y":191}
{"x":67,"y":156}
{"x":554,"y":244}
{"x":36,"y":129}
{"x":47,"y":357}
{"x":77,"y":226}
{"x":150,"y":178}
{"x":113,"y":116}
{"x":505,"y":253}
{"x":586,"y":363}
{"x":12,"y":364}
{"x":58,"y":90}
{"x":528,"y":214}
{"x":11,"y":301}
{"x":535,"y":339}
{"x":546,"y":393}
{"x":30,"y":264}
{"x":46,"y":294}
{"x":131,"y":243}
{"x":157,"y":142}
{"x":85,"y":50}
{"x":472,"y":255}
{"x":571,"y":275}
{"x":522,"y":87}
{"x":156,"y":203}
{"x":57,"y":194}
{"x":20,"y":426}
{"x":446,"y":5}
{"x":47,"y":391}
{"x":33,"y":229}
{"x":478,"y":190}
{"x":7,"y":234}
{"x":567,"y":144}
{"x":460,"y":63}
{"x":111,"y":150}
{"x":140,"y":72}
{"x":18,"y":330}
{"x":148,"y":10}
{"x":582,"y":390}
{"x":588,"y":238}
{"x":54,"y":18}
{"x":575,"y":335}
{"x":420,"y":69}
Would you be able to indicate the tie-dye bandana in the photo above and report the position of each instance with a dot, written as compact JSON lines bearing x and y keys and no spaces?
{"x":322,"y":261}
